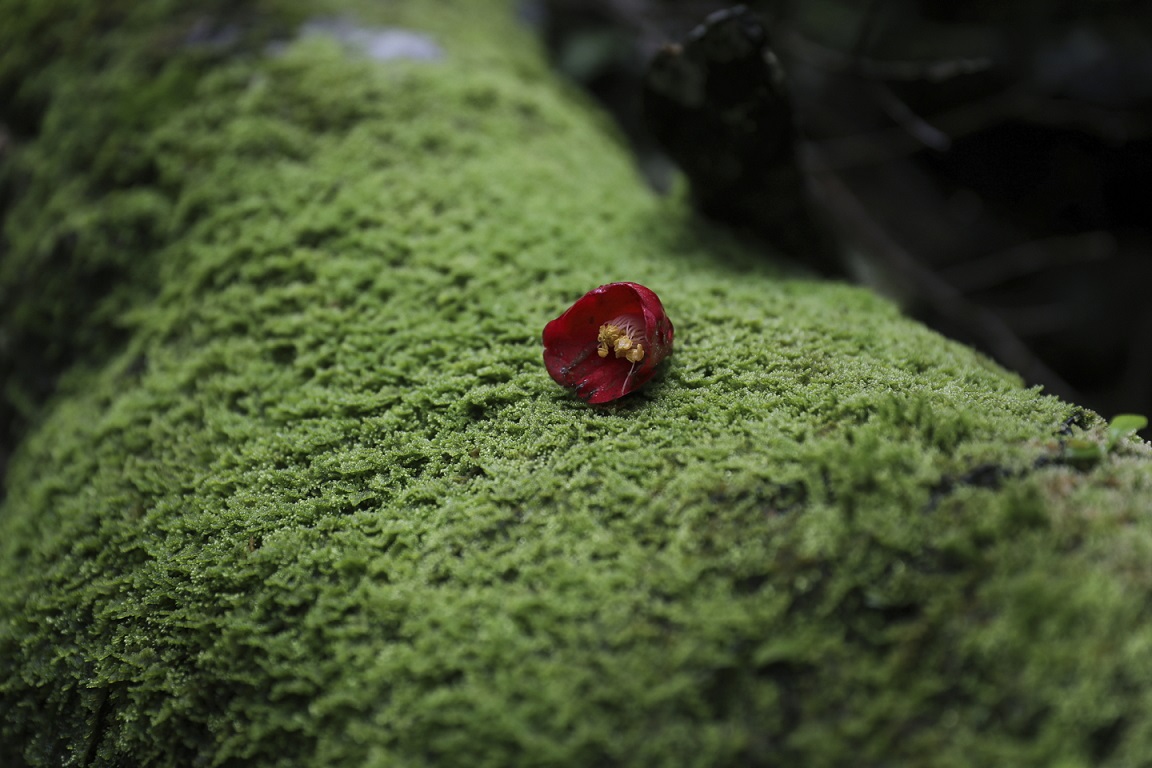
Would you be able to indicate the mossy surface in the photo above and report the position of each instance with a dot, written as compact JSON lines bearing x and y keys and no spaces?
{"x":85,"y":205}
{"x":321,"y":504}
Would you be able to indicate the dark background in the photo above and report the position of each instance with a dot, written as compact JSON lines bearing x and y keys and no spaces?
{"x":986,"y":164}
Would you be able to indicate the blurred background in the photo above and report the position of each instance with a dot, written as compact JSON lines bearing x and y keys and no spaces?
{"x":986,"y":164}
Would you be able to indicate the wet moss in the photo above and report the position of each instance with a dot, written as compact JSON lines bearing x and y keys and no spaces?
{"x":320,"y":503}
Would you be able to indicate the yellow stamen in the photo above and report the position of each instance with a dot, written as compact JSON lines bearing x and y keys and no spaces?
{"x":620,"y":340}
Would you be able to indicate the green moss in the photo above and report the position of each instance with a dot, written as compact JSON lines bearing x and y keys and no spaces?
{"x":323,"y":505}
{"x":85,"y":210}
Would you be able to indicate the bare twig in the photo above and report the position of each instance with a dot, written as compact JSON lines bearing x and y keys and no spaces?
{"x":1029,"y":258}
{"x":832,"y":60}
{"x":915,"y":126}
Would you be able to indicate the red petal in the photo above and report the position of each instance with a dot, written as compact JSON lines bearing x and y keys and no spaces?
{"x":570,"y":342}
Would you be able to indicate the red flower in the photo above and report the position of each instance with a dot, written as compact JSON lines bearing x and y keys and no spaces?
{"x":609,"y":342}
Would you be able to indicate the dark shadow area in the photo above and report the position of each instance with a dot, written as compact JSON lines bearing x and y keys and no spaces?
{"x":985,"y":164}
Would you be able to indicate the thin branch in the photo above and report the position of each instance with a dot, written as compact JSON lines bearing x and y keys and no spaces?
{"x":831,"y":60}
{"x":1029,"y":258}
{"x":915,"y":126}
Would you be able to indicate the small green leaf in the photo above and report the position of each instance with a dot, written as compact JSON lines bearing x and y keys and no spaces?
{"x":1079,"y":449}
{"x":1123,"y":426}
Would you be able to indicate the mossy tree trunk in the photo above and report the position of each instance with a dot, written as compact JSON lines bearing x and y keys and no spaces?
{"x":306,"y":495}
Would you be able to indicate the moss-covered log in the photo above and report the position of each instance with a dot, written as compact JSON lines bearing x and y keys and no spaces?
{"x":305,"y":494}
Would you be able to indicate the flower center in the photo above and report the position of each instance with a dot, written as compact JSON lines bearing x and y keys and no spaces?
{"x":621,"y":336}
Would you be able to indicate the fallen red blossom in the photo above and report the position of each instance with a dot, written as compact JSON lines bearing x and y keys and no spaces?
{"x":609,"y":342}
